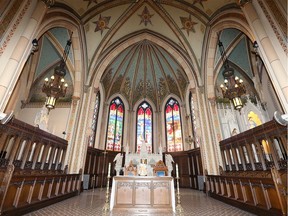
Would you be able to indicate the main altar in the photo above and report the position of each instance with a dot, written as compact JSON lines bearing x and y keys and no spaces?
{"x":146,"y":186}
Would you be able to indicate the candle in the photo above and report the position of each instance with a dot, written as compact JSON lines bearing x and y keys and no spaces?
{"x":109,"y":168}
{"x":177,"y":172}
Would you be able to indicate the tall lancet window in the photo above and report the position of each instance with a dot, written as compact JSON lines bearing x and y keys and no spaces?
{"x":173,"y":126}
{"x":94,"y":120}
{"x":115,"y":125}
{"x":144,"y":126}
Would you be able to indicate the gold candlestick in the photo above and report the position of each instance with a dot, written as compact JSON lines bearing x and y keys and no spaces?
{"x":179,"y":209}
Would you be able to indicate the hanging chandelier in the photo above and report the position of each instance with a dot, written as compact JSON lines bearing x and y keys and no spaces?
{"x":233,"y":87}
{"x":56,"y":87}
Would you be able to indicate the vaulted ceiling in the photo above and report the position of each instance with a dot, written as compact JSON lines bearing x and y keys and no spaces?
{"x":144,"y":69}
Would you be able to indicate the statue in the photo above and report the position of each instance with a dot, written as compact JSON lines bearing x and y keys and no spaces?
{"x":118,"y":166}
{"x":142,"y":167}
{"x":160,"y":150}
{"x":168,"y":161}
{"x":143,"y":148}
{"x":42,"y":118}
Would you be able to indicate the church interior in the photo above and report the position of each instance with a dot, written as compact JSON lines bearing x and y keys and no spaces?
{"x":147,"y":100}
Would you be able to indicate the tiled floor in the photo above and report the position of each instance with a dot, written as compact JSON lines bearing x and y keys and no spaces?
{"x":91,"y":203}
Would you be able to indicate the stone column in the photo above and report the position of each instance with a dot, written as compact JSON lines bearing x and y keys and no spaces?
{"x":275,"y":68}
{"x":216,"y":133}
{"x":12,"y":69}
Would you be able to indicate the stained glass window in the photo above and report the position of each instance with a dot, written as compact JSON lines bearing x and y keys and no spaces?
{"x":115,"y":125}
{"x":94,"y":120}
{"x":144,"y":126}
{"x":173,"y":126}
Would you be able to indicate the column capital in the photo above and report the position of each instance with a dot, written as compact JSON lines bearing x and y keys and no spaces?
{"x":96,"y":90}
{"x":201,"y":89}
{"x":193,"y":90}
{"x":86,"y":88}
{"x":243,"y":2}
{"x":212,"y":101}
{"x":49,"y":3}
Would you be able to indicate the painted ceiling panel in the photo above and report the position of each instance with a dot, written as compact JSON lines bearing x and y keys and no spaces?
{"x":156,"y":24}
{"x":94,"y":35}
{"x":49,"y":60}
{"x":209,"y":6}
{"x":62,"y":36}
{"x":240,"y":57}
{"x":191,"y":29}
{"x":227,"y":36}
{"x":206,"y":6}
{"x":150,"y":69}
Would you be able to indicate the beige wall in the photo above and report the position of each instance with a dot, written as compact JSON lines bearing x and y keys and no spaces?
{"x":57,"y":123}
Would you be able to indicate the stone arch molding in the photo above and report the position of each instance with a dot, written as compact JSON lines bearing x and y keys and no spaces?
{"x":210,"y":73}
{"x":193,"y":76}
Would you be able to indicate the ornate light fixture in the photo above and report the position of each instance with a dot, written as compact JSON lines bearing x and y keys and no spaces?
{"x":233,"y":87}
{"x":55,"y":87}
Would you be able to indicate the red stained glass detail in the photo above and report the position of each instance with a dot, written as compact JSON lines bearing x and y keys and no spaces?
{"x":120,"y":109}
{"x":176,"y":107}
{"x":168,"y":109}
{"x":148,"y":112}
{"x":113,"y":106}
{"x":140,"y":111}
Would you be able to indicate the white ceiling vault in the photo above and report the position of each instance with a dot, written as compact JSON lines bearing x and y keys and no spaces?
{"x":143,"y":68}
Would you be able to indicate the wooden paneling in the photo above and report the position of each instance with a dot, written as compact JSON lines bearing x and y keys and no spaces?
{"x":26,"y":193}
{"x":255,"y":194}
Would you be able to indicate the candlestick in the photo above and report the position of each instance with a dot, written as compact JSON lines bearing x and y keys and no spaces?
{"x":109,"y":168}
{"x":177,"y":171}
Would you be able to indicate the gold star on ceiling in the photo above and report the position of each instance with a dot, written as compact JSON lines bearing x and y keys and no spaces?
{"x":145,"y":16}
{"x":91,"y":1}
{"x":188,"y":24}
{"x":102,"y":24}
{"x":199,"y":1}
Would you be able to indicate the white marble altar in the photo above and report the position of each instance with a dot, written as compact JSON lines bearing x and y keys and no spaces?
{"x":143,"y":194}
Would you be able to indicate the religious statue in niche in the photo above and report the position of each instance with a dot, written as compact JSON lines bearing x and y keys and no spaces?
{"x":142,"y":167}
{"x":130,"y":170}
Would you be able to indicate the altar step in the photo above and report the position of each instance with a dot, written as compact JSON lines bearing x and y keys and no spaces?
{"x":141,"y":212}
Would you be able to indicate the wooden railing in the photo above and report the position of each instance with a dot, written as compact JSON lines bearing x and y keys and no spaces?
{"x":259,"y":148}
{"x":256,"y":192}
{"x":32,"y":173}
{"x":29,"y":147}
{"x":255,"y":170}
